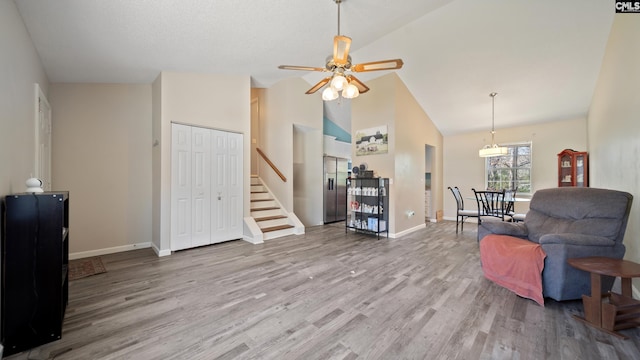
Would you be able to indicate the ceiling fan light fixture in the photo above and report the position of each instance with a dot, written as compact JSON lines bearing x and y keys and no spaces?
{"x":329,"y":93}
{"x":350,"y":92}
{"x":338,"y":82}
{"x":340,"y":66}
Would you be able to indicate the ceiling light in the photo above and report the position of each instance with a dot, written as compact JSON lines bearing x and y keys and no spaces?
{"x":350,"y":91}
{"x":493,"y":149}
{"x":329,"y":94}
{"x":338,"y":82}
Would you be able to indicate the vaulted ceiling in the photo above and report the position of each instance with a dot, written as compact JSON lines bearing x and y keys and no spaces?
{"x":542,"y":57}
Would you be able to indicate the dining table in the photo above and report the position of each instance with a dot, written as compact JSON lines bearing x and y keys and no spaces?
{"x":506,"y":199}
{"x":512,"y":216}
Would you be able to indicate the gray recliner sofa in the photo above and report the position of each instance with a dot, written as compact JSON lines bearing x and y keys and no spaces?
{"x":570,"y":223}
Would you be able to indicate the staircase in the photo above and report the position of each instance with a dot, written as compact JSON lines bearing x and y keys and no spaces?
{"x":271,"y":219}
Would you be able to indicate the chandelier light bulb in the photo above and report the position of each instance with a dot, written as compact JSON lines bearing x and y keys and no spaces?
{"x":338,"y":82}
{"x":350,"y":92}
{"x":329,"y":94}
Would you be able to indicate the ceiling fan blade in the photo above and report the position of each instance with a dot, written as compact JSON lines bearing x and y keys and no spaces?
{"x":341,"y":45}
{"x":304,"y":68}
{"x":362,"y":88}
{"x":317,"y":86}
{"x":378,"y":65}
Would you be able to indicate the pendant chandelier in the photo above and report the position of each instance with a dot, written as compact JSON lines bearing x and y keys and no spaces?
{"x":493,"y":149}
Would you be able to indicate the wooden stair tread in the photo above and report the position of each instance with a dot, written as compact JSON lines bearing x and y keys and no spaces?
{"x":275,"y":217}
{"x":265,"y":208}
{"x":259,"y":192}
{"x":276,"y":228}
{"x":258,"y":200}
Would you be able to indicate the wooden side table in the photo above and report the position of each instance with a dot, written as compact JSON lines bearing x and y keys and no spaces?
{"x":609,"y":312}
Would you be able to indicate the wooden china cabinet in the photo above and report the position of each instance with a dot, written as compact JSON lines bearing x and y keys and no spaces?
{"x":573,"y":168}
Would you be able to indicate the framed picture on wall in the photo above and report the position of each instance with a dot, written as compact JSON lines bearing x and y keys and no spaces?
{"x":371,"y":141}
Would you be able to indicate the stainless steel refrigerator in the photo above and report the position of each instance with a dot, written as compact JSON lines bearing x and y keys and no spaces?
{"x":335,"y":189}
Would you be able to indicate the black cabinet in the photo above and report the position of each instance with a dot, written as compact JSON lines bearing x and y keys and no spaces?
{"x":35,"y":258}
{"x":367,"y":205}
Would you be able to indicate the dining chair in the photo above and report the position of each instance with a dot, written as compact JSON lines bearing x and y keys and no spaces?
{"x":517,"y":217}
{"x":509,"y":198}
{"x":491,"y":203}
{"x":461,"y":213}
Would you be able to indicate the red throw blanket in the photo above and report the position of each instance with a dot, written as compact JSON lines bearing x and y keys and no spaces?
{"x":515,"y":264}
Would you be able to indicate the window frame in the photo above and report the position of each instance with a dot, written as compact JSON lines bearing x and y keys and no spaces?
{"x":513,"y":169}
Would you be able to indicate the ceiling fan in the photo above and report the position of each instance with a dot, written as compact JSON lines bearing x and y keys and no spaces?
{"x":339,"y":64}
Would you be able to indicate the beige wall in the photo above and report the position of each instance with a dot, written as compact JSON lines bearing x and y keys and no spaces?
{"x":308,"y":177}
{"x":101,"y":155}
{"x":282,"y":106}
{"x":390,"y":103}
{"x":158,"y":227}
{"x":376,"y":108}
{"x":414,"y":130}
{"x":208,"y":100}
{"x":256,"y":94}
{"x":614,"y":126}
{"x":465,"y":169}
{"x":20,"y":70}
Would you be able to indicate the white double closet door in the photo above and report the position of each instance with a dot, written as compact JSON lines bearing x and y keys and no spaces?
{"x":206,"y":186}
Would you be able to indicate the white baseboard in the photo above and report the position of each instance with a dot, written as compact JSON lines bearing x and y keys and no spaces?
{"x":252,"y":240}
{"x":116,"y":249}
{"x":251,"y":231}
{"x":408,"y":231}
{"x":159,"y":252}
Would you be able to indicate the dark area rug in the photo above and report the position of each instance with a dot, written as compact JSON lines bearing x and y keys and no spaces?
{"x":82,"y":268}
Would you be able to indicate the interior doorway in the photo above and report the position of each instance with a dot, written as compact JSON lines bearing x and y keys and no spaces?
{"x":429,"y":168}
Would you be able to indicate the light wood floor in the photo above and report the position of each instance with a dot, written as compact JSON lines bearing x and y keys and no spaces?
{"x":323,"y":295}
